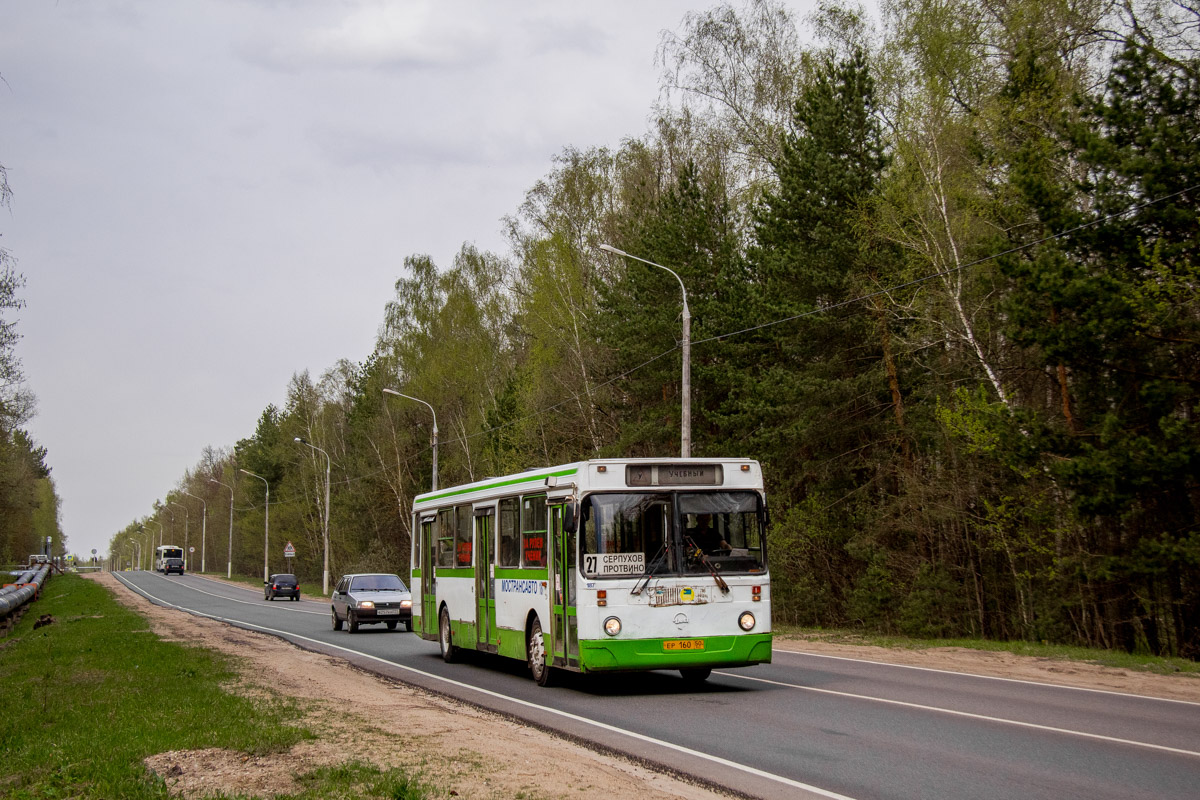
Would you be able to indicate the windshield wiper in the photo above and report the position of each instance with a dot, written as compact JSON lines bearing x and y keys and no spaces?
{"x":704,"y":560}
{"x":655,"y":563}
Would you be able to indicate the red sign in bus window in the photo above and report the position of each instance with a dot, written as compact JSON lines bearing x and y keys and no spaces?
{"x":535,"y":547}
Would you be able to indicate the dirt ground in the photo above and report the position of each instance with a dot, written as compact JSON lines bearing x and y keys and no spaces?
{"x":461,"y":751}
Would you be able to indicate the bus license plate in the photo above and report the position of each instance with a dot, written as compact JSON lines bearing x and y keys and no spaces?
{"x":683,"y":644}
{"x":387,"y":612}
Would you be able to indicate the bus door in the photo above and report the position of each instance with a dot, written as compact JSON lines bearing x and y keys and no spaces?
{"x":564,"y":646}
{"x":485,"y":571}
{"x":429,"y":620}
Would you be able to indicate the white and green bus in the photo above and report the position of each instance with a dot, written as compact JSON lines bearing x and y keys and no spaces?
{"x":599,"y":566}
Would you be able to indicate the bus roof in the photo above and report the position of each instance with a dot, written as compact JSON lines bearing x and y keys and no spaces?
{"x":609,"y":474}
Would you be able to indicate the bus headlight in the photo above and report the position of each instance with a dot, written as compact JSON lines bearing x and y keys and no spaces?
{"x":612,"y":626}
{"x":746,"y":621}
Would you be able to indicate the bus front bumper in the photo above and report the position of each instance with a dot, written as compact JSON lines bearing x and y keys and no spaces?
{"x":615,"y":655}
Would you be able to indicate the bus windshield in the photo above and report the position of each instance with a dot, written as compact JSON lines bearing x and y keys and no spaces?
{"x":685,"y":533}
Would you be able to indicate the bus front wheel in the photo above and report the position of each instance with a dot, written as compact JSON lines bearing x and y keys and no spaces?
{"x":449,"y":651}
{"x":538,"y":666}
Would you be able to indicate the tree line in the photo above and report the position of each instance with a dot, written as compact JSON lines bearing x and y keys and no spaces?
{"x":29,"y":502}
{"x":943,"y":274}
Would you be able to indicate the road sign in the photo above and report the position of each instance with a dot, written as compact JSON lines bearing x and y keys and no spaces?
{"x":191,"y":549}
{"x":289,"y":551}
{"x":93,"y":551}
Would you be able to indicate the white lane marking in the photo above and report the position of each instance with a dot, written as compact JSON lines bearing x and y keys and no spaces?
{"x":549,"y":710}
{"x":967,"y":714}
{"x":775,"y":650}
{"x":256,"y":604}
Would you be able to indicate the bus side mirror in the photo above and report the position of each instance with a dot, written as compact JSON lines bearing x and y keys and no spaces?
{"x":569,"y":517}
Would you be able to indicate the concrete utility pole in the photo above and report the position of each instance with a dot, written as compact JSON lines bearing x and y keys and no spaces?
{"x":686,"y":432}
{"x":266,"y":525}
{"x":228,"y":566}
{"x":325,"y":533}
{"x":186,"y":560}
{"x":203,"y":527}
{"x":435,"y":430}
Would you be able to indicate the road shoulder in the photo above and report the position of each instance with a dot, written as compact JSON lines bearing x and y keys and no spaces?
{"x":1059,"y":672}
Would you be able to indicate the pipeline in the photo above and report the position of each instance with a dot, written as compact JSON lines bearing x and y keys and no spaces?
{"x":17,"y":596}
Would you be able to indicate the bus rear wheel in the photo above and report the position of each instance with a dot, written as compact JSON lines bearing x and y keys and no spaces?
{"x":449,"y":651}
{"x":538,"y":666}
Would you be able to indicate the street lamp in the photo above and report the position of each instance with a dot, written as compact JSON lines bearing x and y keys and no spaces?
{"x":229,"y":566}
{"x":266,"y":524}
{"x":686,"y":434}
{"x":187,"y":560}
{"x":435,"y":430}
{"x":325,"y":534}
{"x":203,"y":527}
{"x":160,"y":533}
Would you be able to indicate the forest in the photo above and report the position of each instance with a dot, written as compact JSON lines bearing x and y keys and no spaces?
{"x":29,"y":502}
{"x":942,"y":263}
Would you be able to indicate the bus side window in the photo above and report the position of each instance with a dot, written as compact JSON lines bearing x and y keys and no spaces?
{"x":533,"y":530}
{"x":462,"y":537}
{"x":510,"y":532}
{"x":444,"y":531}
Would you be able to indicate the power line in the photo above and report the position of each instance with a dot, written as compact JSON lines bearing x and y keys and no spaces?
{"x":851,"y":301}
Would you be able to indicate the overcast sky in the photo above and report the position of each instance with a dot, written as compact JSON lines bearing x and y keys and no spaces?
{"x":211,"y":196}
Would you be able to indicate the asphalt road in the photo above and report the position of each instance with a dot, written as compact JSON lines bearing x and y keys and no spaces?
{"x":803,"y":726}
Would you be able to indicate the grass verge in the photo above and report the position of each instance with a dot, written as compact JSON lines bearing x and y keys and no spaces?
{"x":92,"y":694}
{"x":1109,"y":658}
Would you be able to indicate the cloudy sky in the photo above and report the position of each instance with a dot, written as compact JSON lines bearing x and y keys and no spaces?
{"x":211,"y":196}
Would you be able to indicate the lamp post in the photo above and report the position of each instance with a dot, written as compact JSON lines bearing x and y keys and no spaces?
{"x":435,"y":430}
{"x":229,"y":566}
{"x":325,"y":533}
{"x":203,"y":527}
{"x":686,"y":433}
{"x":160,"y":528}
{"x":266,"y":524}
{"x":186,"y":560}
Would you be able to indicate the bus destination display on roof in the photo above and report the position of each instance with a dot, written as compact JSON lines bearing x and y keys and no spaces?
{"x":673,"y":474}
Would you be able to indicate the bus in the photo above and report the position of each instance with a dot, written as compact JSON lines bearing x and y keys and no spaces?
{"x":163,"y":552}
{"x":599,"y":566}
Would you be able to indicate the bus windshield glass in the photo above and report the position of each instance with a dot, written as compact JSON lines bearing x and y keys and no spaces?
{"x":630,"y":535}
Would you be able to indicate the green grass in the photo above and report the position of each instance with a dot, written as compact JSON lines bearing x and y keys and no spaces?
{"x":89,"y":696}
{"x":354,"y":780}
{"x":1108,"y":658}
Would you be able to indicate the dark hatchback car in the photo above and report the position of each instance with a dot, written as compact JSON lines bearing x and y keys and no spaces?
{"x":173,"y":565}
{"x":281,"y":585}
{"x":370,"y":599}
